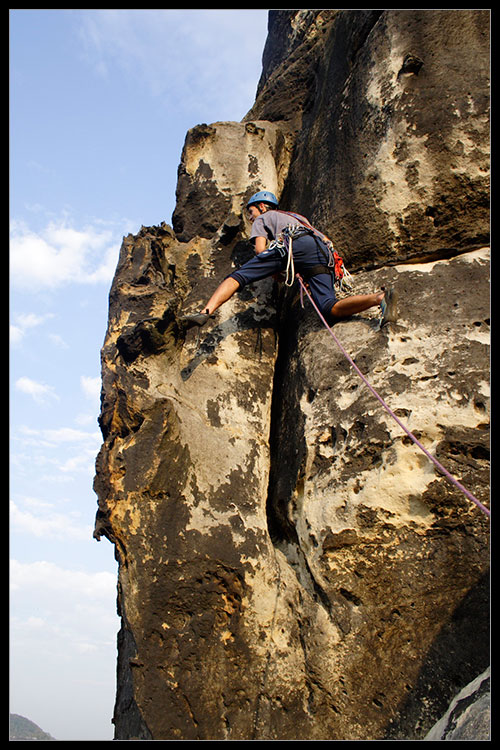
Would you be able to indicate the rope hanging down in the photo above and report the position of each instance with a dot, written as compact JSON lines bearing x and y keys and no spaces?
{"x":434,"y":460}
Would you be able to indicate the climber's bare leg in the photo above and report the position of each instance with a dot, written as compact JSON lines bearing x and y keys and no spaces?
{"x":343,"y":308}
{"x":224,"y":291}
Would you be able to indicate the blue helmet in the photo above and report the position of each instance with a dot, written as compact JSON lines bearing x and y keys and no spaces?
{"x":264,"y":196}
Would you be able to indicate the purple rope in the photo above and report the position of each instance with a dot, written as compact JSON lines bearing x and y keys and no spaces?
{"x":434,"y":460}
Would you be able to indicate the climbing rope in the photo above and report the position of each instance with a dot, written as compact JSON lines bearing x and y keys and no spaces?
{"x":434,"y":460}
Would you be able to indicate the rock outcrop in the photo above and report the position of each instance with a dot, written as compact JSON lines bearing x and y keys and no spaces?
{"x":392,"y":158}
{"x":469,"y":714}
{"x":291,"y":566}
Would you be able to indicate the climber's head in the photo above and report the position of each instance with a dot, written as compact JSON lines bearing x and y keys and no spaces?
{"x":261,"y":202}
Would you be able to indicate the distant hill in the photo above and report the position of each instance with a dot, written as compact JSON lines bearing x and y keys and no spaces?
{"x":24,"y":729}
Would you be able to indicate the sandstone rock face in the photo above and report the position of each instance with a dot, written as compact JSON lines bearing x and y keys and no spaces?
{"x":361,"y":513}
{"x":222,"y":165}
{"x":291,"y":565}
{"x":393,"y":155}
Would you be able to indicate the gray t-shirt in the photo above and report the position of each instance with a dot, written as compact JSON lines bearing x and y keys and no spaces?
{"x":271,"y":223}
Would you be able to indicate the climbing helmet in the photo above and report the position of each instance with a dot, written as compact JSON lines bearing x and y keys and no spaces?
{"x":263,"y":196}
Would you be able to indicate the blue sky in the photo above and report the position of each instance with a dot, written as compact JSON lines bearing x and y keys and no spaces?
{"x":100,"y":103}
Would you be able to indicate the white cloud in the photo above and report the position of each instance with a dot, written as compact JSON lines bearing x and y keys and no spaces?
{"x":85,"y":419}
{"x":25,"y":322}
{"x":35,"y":502}
{"x":58,"y":454}
{"x":53,"y":438}
{"x":82,"y":462}
{"x":31,"y":320}
{"x":172,"y":53}
{"x":35,"y":623}
{"x":16,"y":334}
{"x":40,"y":392}
{"x":47,"y":576}
{"x":60,"y":254}
{"x":68,"y":435}
{"x":58,"y":341}
{"x":48,"y":524}
{"x":91,"y":387}
{"x":59,"y":613}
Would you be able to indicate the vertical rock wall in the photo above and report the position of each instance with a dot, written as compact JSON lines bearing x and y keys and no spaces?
{"x":392,"y":159}
{"x":290,"y":565}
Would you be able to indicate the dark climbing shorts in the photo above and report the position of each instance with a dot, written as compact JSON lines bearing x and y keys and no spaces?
{"x":307,"y":252}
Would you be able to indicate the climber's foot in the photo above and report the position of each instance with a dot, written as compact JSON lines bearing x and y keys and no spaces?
{"x":198,"y":319}
{"x":389,"y":307}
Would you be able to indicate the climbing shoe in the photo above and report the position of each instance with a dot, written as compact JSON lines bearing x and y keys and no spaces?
{"x":198,"y":319}
{"x":389,"y":307}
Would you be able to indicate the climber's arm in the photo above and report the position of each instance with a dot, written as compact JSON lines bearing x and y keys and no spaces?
{"x":260,"y":244}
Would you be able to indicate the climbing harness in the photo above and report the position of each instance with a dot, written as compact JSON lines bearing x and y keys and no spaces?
{"x":334,"y":263}
{"x":434,"y":460}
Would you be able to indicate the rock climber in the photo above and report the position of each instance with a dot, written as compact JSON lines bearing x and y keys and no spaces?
{"x":308,"y":254}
